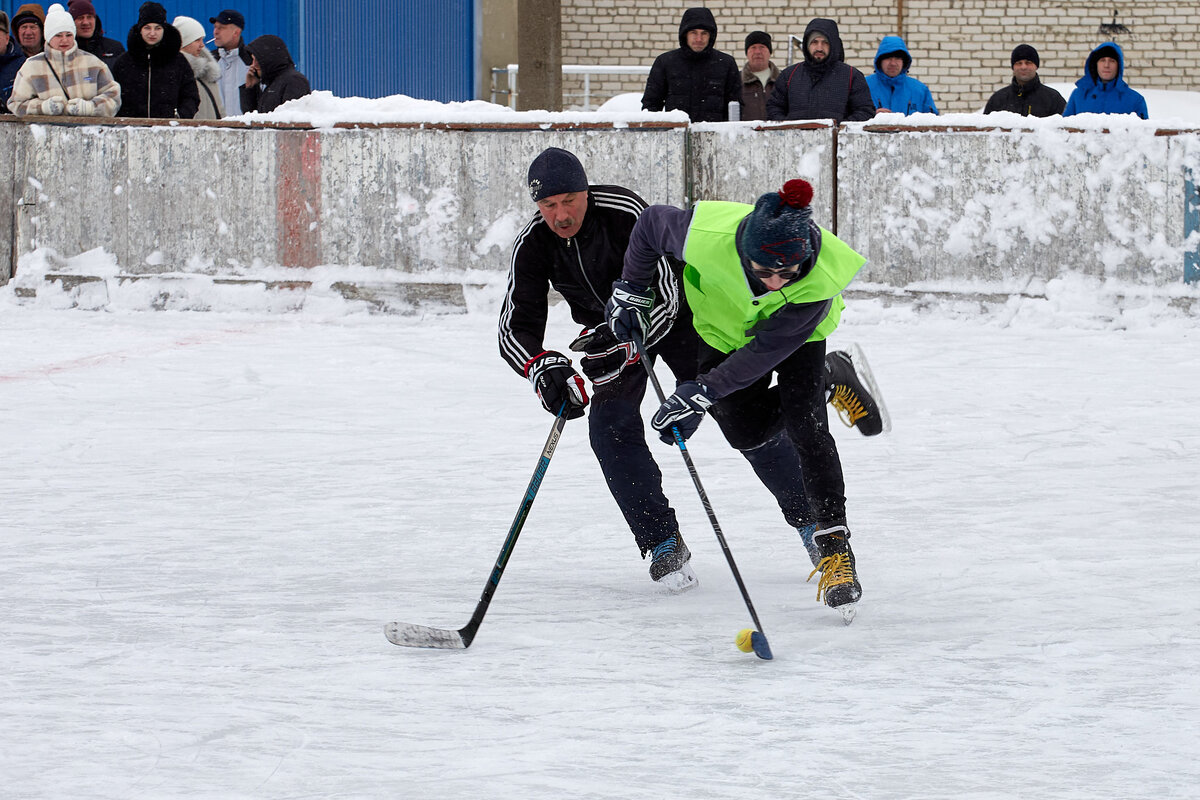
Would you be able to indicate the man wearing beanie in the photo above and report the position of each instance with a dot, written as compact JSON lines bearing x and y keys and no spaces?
{"x":574,"y":244}
{"x":27,"y":28}
{"x":1026,"y":95}
{"x":89,"y":33}
{"x":764,"y":285}
{"x":695,"y":77}
{"x":758,"y":76}
{"x":64,"y":79}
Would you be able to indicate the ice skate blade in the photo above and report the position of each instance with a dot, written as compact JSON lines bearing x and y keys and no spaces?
{"x":848,"y":612}
{"x":679,"y":581}
{"x":862,"y":368}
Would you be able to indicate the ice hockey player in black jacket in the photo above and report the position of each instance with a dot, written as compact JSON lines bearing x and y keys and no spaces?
{"x":575,"y":244}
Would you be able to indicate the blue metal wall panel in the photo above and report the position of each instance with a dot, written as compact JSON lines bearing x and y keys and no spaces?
{"x":375,"y":48}
{"x":364,"y":48}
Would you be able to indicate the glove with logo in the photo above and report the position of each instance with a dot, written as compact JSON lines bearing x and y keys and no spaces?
{"x":604,"y":357}
{"x":628,"y":311}
{"x":53,"y":107}
{"x":683,"y":410}
{"x":555,"y":382}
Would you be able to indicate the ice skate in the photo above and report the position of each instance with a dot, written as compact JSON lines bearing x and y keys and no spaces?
{"x":854,"y":393}
{"x":669,"y":565}
{"x":839,"y":584}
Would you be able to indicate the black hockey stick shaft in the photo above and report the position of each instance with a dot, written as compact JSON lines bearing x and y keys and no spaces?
{"x":468,"y":631}
{"x":691,"y":467}
{"x":409,"y":635}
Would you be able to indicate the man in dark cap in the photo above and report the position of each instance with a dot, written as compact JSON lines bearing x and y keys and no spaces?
{"x":764,"y":284}
{"x":694,"y":77}
{"x":89,"y":33}
{"x":1026,"y":95}
{"x":758,"y":75}
{"x":574,"y":244}
{"x":232,"y":57}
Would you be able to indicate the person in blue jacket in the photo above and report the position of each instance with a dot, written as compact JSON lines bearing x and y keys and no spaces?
{"x":1102,"y":89}
{"x":893,"y":90}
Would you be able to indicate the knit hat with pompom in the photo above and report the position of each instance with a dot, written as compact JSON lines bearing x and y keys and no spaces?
{"x":779,"y":233}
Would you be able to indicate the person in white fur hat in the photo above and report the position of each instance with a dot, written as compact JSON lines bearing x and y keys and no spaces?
{"x":204,"y":67}
{"x":63,"y":79}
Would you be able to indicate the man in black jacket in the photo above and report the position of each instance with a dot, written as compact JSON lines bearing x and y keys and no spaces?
{"x":272,"y":79}
{"x":822,"y":86}
{"x":575,"y":244}
{"x":694,"y":78}
{"x":1026,"y":95}
{"x":89,"y":33}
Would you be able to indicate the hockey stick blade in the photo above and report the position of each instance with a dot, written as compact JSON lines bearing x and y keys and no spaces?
{"x":407,"y":635}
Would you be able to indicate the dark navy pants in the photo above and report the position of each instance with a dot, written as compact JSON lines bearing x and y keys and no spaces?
{"x":618,"y":438}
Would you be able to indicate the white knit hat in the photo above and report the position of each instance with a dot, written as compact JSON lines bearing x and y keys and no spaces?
{"x":189,"y":30}
{"x":58,"y":21}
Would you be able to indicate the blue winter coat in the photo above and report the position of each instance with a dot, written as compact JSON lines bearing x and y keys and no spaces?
{"x":902,"y":94}
{"x":1092,"y":96}
{"x":11,"y":60}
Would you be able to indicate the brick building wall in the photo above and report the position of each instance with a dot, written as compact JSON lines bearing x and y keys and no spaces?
{"x":960,"y":47}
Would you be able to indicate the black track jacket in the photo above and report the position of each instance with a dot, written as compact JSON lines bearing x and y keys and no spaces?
{"x":582,"y":269}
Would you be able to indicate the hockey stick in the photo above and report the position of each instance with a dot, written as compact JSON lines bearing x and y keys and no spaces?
{"x":758,"y":639}
{"x":408,"y":635}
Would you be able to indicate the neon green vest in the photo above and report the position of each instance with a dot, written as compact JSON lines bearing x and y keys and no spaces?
{"x":724,"y":309}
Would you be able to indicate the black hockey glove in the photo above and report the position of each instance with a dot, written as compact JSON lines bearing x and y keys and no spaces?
{"x":683,"y":410}
{"x":628,"y":311}
{"x":555,"y":382}
{"x":604,"y":357}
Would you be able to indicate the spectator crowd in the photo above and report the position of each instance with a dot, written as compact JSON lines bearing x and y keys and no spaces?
{"x":706,"y":84}
{"x":57,"y":61}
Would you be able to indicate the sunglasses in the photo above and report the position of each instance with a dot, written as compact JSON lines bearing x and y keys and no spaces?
{"x":787,"y":274}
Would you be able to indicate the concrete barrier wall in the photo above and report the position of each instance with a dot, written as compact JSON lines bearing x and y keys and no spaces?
{"x":415,"y":206}
{"x":1006,"y":207}
{"x":739,"y":162}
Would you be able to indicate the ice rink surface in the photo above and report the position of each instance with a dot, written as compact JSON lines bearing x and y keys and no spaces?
{"x":208,"y":519}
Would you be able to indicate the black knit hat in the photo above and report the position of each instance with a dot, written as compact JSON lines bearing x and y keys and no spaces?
{"x":152,"y":12}
{"x":759,"y":37}
{"x":779,"y":233}
{"x":555,"y":171}
{"x":1025,"y":52}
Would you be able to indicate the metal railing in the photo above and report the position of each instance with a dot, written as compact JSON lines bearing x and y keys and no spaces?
{"x":586,"y":70}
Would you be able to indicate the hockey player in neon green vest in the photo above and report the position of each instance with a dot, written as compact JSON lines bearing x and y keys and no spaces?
{"x":764,"y":287}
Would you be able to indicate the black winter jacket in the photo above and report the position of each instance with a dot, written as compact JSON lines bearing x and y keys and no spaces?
{"x":582,"y":269}
{"x":702,"y":84}
{"x":831,"y":89}
{"x":156,"y":82}
{"x":280,"y":80}
{"x":1034,"y":99}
